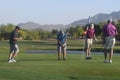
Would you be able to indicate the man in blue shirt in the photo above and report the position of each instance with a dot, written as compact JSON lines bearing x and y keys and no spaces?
{"x":62,"y":39}
{"x":14,"y":49}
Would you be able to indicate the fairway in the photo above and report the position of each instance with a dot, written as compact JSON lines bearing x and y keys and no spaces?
{"x":46,"y":67}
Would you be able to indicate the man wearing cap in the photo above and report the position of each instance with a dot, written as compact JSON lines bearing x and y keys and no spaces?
{"x":62,"y":39}
{"x":109,"y":33}
{"x":14,"y":49}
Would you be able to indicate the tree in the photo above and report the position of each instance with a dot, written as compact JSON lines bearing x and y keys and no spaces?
{"x":118,"y":29}
{"x":75,"y":32}
{"x":54,"y":31}
{"x":44,"y":34}
{"x":79,"y":31}
{"x":33,"y":35}
{"x":97,"y":29}
{"x":6,"y":30}
{"x":23,"y":34}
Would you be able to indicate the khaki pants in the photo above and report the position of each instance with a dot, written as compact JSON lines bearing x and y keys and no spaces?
{"x":109,"y":42}
{"x":62,"y":50}
{"x":88,"y":43}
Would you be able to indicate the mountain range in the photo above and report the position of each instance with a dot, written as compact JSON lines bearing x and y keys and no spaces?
{"x":98,"y":18}
{"x":46,"y":27}
{"x":94,"y":19}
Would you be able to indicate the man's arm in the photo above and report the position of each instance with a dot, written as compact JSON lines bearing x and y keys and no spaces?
{"x":65,"y":43}
{"x":59,"y":42}
{"x":95,"y":38}
{"x":16,"y":39}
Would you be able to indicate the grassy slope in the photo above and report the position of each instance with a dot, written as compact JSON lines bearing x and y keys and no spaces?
{"x":46,"y":66}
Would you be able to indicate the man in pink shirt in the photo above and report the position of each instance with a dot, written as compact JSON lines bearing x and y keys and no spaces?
{"x":109,"y":33}
{"x":90,"y":35}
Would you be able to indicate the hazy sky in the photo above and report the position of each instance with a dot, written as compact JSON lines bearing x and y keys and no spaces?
{"x":53,"y":11}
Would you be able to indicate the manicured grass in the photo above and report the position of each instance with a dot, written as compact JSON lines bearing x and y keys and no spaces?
{"x":46,"y":67}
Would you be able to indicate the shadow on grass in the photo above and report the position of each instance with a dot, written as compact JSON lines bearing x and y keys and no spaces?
{"x":38,"y":60}
{"x":21,"y":60}
{"x":73,"y":78}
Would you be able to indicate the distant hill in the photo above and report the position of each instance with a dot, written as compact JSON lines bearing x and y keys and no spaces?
{"x":46,"y":27}
{"x":29,"y":25}
{"x":97,"y":18}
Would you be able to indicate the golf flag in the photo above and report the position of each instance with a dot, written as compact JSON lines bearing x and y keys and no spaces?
{"x":89,"y":20}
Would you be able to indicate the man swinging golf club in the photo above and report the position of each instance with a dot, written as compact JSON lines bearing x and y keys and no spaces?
{"x":90,"y":36}
{"x":14,"y":49}
{"x":62,"y":39}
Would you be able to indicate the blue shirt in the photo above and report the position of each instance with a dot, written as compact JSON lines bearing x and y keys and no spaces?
{"x":61,"y":37}
{"x":14,"y":34}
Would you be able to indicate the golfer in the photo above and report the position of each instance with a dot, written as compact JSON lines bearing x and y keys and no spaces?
{"x":90,"y":36}
{"x":62,"y":40}
{"x":13,"y":45}
{"x":109,"y":33}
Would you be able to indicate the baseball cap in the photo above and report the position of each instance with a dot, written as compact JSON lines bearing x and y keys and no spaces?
{"x":62,"y":32}
{"x":110,"y":20}
{"x":17,"y":27}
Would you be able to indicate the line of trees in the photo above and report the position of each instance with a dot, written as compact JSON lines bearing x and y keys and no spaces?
{"x":5,"y":31}
{"x":72,"y":32}
{"x":76,"y":32}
